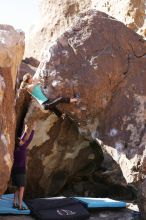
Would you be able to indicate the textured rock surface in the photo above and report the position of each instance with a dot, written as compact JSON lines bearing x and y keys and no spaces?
{"x":130,"y":12}
{"x":11,"y":52}
{"x":31,"y":61}
{"x":29,"y":65}
{"x":106,"y":182}
{"x":12,"y":49}
{"x":125,"y":119}
{"x":59,"y":152}
{"x":55,"y":17}
{"x":82,"y":59}
{"x":93,"y":55}
{"x":52,"y":24}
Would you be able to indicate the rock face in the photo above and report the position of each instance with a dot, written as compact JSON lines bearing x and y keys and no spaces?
{"x":130,"y":12}
{"x":82,"y":59}
{"x":11,"y":52}
{"x":56,"y":17}
{"x":104,"y":62}
{"x":59,"y":152}
{"x":52,"y":24}
{"x":124,"y":125}
{"x":29,"y":65}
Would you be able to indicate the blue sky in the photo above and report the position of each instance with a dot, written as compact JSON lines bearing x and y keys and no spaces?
{"x":19,"y":13}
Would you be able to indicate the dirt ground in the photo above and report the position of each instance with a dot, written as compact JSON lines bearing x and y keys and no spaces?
{"x":122,"y":214}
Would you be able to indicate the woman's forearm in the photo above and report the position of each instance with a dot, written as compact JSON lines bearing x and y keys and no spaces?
{"x":23,"y":135}
{"x":27,"y":142}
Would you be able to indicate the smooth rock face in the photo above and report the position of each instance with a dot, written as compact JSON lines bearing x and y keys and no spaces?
{"x":56,"y":17}
{"x":104,"y":62}
{"x":11,"y":52}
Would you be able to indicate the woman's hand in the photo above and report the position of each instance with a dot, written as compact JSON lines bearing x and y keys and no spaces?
{"x":20,"y":142}
{"x":25,"y":127}
{"x":34,"y":125}
{"x":73,"y":100}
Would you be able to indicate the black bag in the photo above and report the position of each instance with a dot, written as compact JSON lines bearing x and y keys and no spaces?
{"x":57,"y":209}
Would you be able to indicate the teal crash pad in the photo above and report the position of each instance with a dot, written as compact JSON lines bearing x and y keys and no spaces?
{"x":101,"y":202}
{"x":6,"y":203}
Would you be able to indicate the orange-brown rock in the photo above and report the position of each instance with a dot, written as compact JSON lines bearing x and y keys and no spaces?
{"x":23,"y":98}
{"x":11,"y":52}
{"x":104,"y":62}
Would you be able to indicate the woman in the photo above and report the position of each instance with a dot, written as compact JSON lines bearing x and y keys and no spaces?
{"x":19,"y":167}
{"x":33,"y":86}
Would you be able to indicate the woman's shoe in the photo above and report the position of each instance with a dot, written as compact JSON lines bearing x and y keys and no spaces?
{"x":22,"y":208}
{"x":15,"y":206}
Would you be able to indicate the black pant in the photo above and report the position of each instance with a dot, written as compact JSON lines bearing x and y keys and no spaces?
{"x":19,"y":179}
{"x":51,"y":105}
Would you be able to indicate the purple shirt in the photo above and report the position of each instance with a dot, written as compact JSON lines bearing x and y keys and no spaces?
{"x":19,"y":165}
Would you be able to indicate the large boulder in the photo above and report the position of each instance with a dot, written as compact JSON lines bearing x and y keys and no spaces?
{"x":87,"y":56}
{"x":104,"y":62}
{"x":56,"y":17}
{"x":58,"y":152}
{"x":52,"y":24}
{"x":11,"y":52}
